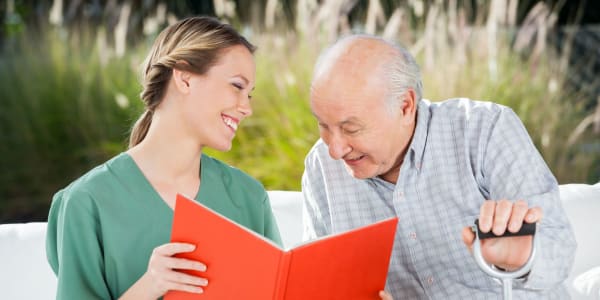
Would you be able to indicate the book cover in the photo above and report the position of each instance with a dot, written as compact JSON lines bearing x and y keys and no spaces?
{"x":242,"y":264}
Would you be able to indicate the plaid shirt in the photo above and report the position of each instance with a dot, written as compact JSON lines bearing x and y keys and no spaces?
{"x":462,"y":153}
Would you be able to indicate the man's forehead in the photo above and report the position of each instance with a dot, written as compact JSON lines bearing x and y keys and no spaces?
{"x":342,"y":120}
{"x":359,"y":51}
{"x":352,"y":75}
{"x":348,"y":85}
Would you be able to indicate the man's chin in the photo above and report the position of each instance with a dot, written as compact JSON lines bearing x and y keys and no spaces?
{"x":358,"y":173}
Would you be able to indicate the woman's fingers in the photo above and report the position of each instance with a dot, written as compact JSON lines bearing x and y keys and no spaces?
{"x":184,"y":264}
{"x":183,"y":278}
{"x":173,"y":286}
{"x":163,"y":269}
{"x":162,"y":258}
{"x":171,"y":249}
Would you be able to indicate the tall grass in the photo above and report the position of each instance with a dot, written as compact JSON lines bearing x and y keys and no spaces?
{"x":63,"y":111}
{"x":67,"y":99}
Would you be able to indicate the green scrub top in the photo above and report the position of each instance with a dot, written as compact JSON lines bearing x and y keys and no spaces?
{"x":103,"y":227}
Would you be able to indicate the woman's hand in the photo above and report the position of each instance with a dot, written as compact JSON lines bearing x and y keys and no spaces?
{"x":162,"y":277}
{"x":385,"y":296}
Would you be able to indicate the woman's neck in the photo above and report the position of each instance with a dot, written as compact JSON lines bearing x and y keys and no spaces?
{"x":169,"y":160}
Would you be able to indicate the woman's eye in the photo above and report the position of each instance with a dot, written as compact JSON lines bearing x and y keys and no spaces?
{"x":238,"y":86}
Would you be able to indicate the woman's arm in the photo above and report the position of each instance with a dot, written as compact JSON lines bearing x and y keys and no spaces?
{"x":74,"y":248}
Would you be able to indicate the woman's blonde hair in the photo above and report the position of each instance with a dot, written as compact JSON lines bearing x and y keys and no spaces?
{"x":193,"y":44}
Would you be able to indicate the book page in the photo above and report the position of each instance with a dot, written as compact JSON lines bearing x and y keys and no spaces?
{"x":350,"y":265}
{"x":239,"y":265}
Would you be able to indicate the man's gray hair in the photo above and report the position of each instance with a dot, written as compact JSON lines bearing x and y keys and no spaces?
{"x":403,"y":73}
{"x":401,"y":70}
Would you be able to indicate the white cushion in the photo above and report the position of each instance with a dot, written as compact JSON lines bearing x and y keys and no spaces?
{"x":24,"y":270}
{"x":287,"y":208}
{"x":582,"y":204}
{"x":587,"y":284}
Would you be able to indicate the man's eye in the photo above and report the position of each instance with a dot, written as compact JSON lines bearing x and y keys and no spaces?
{"x":351,"y":131}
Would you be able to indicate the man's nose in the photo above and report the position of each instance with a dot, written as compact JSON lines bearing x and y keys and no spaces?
{"x":338,"y":146}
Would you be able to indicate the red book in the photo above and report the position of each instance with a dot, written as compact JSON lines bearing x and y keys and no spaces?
{"x":242,"y":264}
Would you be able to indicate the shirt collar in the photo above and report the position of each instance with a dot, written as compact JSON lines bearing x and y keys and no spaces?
{"x":417,"y":146}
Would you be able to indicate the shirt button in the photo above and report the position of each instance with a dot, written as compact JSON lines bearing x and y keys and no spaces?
{"x":401,"y":194}
{"x":430,"y":280}
{"x":413,"y":235}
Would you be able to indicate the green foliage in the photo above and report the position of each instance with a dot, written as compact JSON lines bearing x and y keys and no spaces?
{"x":59,"y":116}
{"x":536,"y":91}
{"x":67,"y":103}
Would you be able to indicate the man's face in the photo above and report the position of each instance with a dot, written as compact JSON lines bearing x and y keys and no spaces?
{"x":356,"y":124}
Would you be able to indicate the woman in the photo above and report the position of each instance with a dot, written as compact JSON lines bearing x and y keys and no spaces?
{"x":108,"y":231}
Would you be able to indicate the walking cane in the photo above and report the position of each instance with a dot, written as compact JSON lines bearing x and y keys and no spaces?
{"x":505,"y":276}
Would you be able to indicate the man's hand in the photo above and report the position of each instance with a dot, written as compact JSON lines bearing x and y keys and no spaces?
{"x":385,"y":296}
{"x":509,"y":253}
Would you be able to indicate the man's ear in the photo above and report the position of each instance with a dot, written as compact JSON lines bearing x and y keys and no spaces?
{"x":409,"y":105}
{"x":182,"y":80}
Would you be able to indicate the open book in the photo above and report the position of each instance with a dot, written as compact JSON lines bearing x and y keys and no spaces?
{"x":242,"y":264}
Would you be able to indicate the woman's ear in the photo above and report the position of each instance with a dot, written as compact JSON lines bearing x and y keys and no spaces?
{"x":182,"y":80}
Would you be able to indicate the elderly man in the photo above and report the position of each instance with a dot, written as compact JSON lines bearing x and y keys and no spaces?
{"x":437,"y":166}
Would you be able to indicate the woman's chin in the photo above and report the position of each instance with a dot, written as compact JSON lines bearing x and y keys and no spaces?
{"x":221,"y":147}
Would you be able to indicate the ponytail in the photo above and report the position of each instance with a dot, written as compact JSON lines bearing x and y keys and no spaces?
{"x":140,"y":129}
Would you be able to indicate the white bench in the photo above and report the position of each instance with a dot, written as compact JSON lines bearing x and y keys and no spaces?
{"x":25,"y":273}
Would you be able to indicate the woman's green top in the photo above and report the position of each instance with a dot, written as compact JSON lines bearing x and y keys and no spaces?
{"x":103,"y":227}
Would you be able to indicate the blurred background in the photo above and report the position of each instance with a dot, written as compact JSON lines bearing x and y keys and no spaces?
{"x":70,"y":70}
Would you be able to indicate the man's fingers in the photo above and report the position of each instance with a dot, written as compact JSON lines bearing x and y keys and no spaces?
{"x":468,"y":236}
{"x":486,"y":215}
{"x":385,"y":296}
{"x":534,"y":215}
{"x":519,"y":211}
{"x":501,"y":216}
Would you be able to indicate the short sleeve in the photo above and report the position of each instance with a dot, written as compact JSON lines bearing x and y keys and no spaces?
{"x":74,"y":247}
